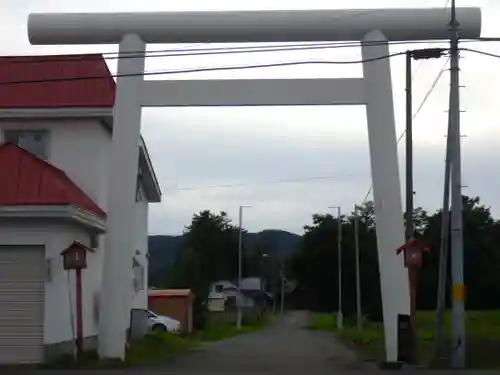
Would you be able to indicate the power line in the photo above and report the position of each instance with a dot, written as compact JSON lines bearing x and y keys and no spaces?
{"x":429,"y":92}
{"x":319,"y":178}
{"x":208,"y":69}
{"x":480,"y":52}
{"x":272,"y":182}
{"x":214,"y":51}
{"x":421,"y":106}
{"x":421,"y":62}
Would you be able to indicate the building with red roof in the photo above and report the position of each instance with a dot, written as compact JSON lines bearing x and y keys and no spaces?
{"x":56,"y":122}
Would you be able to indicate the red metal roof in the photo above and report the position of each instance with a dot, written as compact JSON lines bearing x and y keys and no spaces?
{"x":75,"y":88}
{"x":27,"y":180}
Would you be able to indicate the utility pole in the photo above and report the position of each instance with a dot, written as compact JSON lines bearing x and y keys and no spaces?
{"x":443,"y":252}
{"x":282,"y":307}
{"x":458,"y":290}
{"x":358,"y":274}
{"x":240,"y":267}
{"x":419,"y":54}
{"x":409,"y":149}
{"x":340,"y":314}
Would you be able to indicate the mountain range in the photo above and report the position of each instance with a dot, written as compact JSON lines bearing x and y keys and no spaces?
{"x":163,"y":249}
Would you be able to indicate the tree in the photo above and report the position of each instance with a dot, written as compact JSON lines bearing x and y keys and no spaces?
{"x":209,"y":253}
{"x":315,"y":265}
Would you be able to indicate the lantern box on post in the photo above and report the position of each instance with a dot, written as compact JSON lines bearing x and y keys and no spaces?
{"x":75,"y":256}
{"x":413,"y":253}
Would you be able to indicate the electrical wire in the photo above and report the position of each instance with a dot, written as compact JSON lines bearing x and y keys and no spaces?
{"x":208,"y":69}
{"x":421,"y":62}
{"x":490,"y":54}
{"x":417,"y":112}
{"x":318,"y":178}
{"x":214,"y":51}
{"x":272,"y":182}
{"x":207,"y":51}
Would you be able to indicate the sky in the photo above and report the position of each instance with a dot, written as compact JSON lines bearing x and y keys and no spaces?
{"x":288,"y":163}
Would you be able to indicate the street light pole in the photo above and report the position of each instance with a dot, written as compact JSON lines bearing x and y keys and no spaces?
{"x":358,"y":274}
{"x":282,"y":295}
{"x":340,"y":315}
{"x":240,"y":267}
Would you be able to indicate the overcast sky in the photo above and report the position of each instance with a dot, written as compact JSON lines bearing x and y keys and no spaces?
{"x":196,"y":150}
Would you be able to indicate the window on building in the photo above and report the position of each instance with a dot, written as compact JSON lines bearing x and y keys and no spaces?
{"x":140,"y":195}
{"x":33,"y":141}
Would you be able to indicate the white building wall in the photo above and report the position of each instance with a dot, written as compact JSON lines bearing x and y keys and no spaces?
{"x":140,"y":298}
{"x":56,"y":238}
{"x":81,"y":148}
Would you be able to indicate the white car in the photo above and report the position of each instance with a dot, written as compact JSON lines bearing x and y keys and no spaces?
{"x":161,"y":323}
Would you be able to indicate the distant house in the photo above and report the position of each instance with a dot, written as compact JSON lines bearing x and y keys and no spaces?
{"x":220,"y":285}
{"x":250,"y":283}
{"x":250,"y":296}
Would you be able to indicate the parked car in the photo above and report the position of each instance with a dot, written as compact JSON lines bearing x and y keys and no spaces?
{"x":162,"y":323}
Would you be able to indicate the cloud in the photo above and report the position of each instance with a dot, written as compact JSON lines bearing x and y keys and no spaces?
{"x":255,"y":147}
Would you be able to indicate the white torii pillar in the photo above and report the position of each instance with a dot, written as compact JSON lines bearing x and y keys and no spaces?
{"x":133,"y":30}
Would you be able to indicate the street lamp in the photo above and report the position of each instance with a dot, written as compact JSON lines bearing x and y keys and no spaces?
{"x":240,"y":266}
{"x":262,"y":262}
{"x":358,"y":273}
{"x":340,"y":316}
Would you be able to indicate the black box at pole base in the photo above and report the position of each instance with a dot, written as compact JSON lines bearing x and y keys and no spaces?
{"x":406,"y":340}
{"x":391,"y":365}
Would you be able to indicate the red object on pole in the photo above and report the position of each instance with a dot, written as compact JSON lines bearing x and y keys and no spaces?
{"x":413,"y":253}
{"x":413,"y":258}
{"x":79,"y":313}
{"x":75,"y":258}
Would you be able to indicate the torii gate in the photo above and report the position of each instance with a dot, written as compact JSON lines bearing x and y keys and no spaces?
{"x":133,"y":30}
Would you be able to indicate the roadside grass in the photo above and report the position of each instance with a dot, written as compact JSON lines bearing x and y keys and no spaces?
{"x":220,"y":329}
{"x":326,"y":322}
{"x":482,"y":338}
{"x":155,"y":348}
{"x":152,"y":348}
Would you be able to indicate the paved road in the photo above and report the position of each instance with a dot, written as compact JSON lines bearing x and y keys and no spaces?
{"x":286,"y":347}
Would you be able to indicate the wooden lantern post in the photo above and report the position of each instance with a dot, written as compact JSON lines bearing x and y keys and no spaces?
{"x":75,"y":258}
{"x":413,"y":259}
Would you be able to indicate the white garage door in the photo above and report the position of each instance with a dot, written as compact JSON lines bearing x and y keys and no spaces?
{"x":22,"y":289}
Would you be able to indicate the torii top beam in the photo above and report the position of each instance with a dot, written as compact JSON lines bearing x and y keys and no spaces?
{"x":250,"y":26}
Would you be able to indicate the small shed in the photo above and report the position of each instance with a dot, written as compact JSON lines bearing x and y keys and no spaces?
{"x":174,"y":303}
